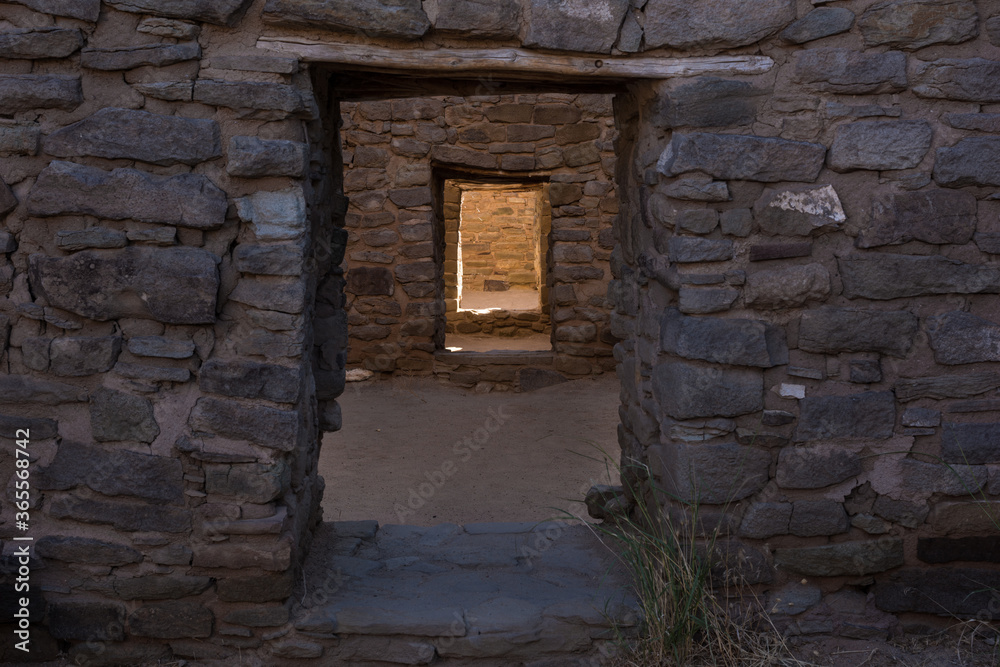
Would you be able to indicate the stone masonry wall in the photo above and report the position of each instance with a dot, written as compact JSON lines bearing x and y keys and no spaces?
{"x":396,"y":306}
{"x":498,"y":240}
{"x":805,"y":287}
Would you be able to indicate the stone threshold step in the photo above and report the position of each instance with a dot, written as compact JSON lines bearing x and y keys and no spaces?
{"x":498,"y":357}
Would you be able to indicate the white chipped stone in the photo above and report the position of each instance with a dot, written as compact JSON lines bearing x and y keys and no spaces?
{"x":275,"y":215}
{"x":797,"y":391}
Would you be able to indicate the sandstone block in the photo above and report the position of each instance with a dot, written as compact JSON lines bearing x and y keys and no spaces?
{"x":248,"y":482}
{"x":113,"y":473}
{"x":574,"y":25}
{"x":843,"y":559}
{"x":963,"y":338}
{"x":831,"y":330}
{"x":250,"y":157}
{"x":972,"y":161}
{"x":687,"y":391}
{"x":787,"y":288}
{"x":851,"y":72}
{"x":158,"y":346}
{"x":376,"y":18}
{"x":914,"y":24}
{"x":137,"y":135}
{"x":742,"y":157}
{"x":256,"y":97}
{"x":764,"y":520}
{"x":127,"y":516}
{"x":27,"y":389}
{"x":708,"y":101}
{"x":221,"y":12}
{"x":275,"y":216}
{"x":249,"y":379}
{"x":968,"y":80}
{"x":270,"y":260}
{"x":714,"y":474}
{"x":884,"y":276}
{"x":171,"y":620}
{"x":130,"y":57}
{"x":185,"y":200}
{"x":85,"y":550}
{"x":737,"y":342}
{"x":686,"y":249}
{"x":267,"y":427}
{"x":961,"y":592}
{"x":817,"y":517}
{"x":897,"y":144}
{"x":177,"y":285}
{"x":24,"y":92}
{"x":802,"y":211}
{"x":492,"y":19}
{"x":75,"y":356}
{"x":815,"y":467}
{"x":115,"y":415}
{"x":715,"y":23}
{"x":820,"y":22}
{"x":693,"y":300}
{"x":869,"y":414}
{"x":93,"y":237}
{"x":87,"y":621}
{"x":39,"y":43}
{"x":931,"y":216}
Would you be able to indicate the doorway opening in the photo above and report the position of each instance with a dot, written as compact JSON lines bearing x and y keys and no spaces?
{"x":495,"y":265}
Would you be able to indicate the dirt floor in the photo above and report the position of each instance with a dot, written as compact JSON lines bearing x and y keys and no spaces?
{"x":416,"y":451}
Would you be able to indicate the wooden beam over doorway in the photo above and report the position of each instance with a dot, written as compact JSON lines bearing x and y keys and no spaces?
{"x":508,"y":61}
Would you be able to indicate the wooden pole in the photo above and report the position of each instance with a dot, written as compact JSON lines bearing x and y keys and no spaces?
{"x":507,"y":61}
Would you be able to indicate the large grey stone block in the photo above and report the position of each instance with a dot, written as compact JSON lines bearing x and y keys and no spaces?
{"x":799,"y":211}
{"x":270,"y":260}
{"x":687,"y":249}
{"x":29,"y":389}
{"x":38,"y":43}
{"x":85,"y":10}
{"x":161,"y":347}
{"x":831,"y":330}
{"x":171,"y":620}
{"x":373,"y":18}
{"x":871,"y":414}
{"x":87,"y":621}
{"x":160,"y":587}
{"x":972,"y":161}
{"x":267,"y":427}
{"x":789,"y":287}
{"x":931,"y":216}
{"x":86,"y":550}
{"x":967,"y":80}
{"x":75,"y":356}
{"x":171,"y":285}
{"x":24,"y":92}
{"x":131,"y":57}
{"x":127,"y":516}
{"x":971,"y":444}
{"x":887,"y":276}
{"x":965,"y":592}
{"x":185,"y":200}
{"x":959,"y":337}
{"x":248,"y":482}
{"x":717,"y":23}
{"x":962,"y":385}
{"x":851,"y":72}
{"x":842,"y":559}
{"x":116,"y":415}
{"x":222,"y":12}
{"x":275,"y":216}
{"x":250,"y":379}
{"x":742,"y":157}
{"x":282,"y":295}
{"x":92,"y":237}
{"x":714,"y":474}
{"x":689,"y":391}
{"x":820,"y":22}
{"x":137,"y":135}
{"x":494,"y":19}
{"x":253,"y":97}
{"x":880,"y":145}
{"x":707,"y":101}
{"x":738,"y":342}
{"x":817,"y":517}
{"x":914,"y":24}
{"x":574,"y":25}
{"x":115,"y":472}
{"x":764,"y":520}
{"x":250,"y":157}
{"x":815,"y":467}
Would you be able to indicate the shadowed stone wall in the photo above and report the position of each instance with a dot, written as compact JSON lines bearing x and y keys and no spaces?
{"x":805,"y":284}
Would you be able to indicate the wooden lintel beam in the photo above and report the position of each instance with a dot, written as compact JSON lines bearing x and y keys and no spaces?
{"x":444,"y":62}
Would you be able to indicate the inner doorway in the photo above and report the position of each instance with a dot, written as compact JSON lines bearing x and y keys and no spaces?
{"x":495,"y":266}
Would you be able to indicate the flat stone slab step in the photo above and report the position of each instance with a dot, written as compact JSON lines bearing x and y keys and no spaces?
{"x":487,"y":593}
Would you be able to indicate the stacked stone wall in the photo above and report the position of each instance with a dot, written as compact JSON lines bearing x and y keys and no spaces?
{"x":400,"y":297}
{"x":498,"y":240}
{"x":805,"y":287}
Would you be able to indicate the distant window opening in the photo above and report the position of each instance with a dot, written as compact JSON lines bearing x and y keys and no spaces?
{"x":495,"y":272}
